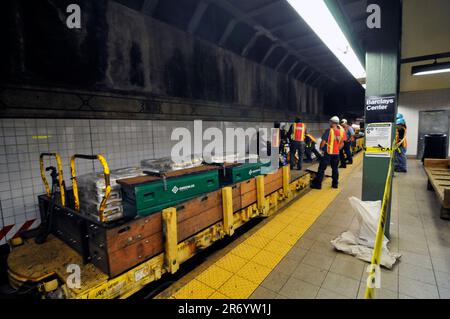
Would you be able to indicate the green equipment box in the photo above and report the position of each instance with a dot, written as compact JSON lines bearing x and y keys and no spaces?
{"x":236,"y":173}
{"x":145,"y":195}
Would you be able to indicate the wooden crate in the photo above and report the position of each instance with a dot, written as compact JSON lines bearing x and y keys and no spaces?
{"x":273,"y":182}
{"x":115,"y":250}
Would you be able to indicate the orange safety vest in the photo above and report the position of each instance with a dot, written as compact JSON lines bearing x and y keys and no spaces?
{"x":276,"y":138}
{"x":298,"y":132}
{"x":335,"y":139}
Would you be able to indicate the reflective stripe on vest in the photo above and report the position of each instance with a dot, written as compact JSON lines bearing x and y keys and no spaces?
{"x":298,"y":132}
{"x":335,"y":141}
{"x":313,"y":139}
{"x":276,"y":138}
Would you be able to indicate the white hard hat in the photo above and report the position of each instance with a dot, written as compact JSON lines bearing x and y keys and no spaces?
{"x":335,"y":119}
{"x":344,"y":121}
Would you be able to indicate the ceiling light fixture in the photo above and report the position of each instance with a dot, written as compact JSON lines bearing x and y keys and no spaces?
{"x":318,"y":16}
{"x":428,"y":69}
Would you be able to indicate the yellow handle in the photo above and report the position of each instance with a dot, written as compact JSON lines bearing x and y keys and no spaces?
{"x":105,"y":198}
{"x":60,"y":176}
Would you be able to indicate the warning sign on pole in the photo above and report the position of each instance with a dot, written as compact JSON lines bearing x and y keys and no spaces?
{"x":378,"y":139}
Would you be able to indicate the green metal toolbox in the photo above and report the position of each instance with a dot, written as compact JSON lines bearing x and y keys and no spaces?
{"x":145,"y":195}
{"x":236,"y":173}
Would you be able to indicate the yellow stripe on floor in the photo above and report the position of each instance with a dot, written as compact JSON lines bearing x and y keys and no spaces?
{"x":243,"y":269}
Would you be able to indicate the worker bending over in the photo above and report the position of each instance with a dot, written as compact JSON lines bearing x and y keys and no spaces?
{"x":400,"y":160}
{"x":346,"y":154}
{"x":332,"y":142}
{"x":310,"y":148}
{"x":297,"y":133}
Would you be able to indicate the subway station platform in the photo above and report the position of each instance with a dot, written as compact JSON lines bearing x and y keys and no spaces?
{"x":290,"y":255}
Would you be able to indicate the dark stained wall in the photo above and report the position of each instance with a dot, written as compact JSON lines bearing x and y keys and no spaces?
{"x":122,"y":53}
{"x":345,"y":100}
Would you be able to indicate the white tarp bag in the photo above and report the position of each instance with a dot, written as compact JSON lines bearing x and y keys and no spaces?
{"x":359,"y":242}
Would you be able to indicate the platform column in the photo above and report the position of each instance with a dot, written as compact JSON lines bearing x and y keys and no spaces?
{"x":382,"y":67}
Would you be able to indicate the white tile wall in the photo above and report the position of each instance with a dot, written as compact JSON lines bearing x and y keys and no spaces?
{"x":124,"y":143}
{"x":410,"y":105}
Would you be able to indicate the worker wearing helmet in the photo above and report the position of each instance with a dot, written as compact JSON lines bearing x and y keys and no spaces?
{"x":346,"y":152}
{"x":297,"y":133}
{"x":400,"y":160}
{"x":332,"y":142}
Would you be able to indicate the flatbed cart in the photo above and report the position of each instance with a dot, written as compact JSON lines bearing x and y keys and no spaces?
{"x":49,"y":266}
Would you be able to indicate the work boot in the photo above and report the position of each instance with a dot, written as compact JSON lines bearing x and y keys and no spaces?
{"x":315,"y":185}
{"x":335,"y":186}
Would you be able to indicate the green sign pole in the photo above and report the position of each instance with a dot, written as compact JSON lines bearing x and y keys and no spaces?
{"x":382,"y":67}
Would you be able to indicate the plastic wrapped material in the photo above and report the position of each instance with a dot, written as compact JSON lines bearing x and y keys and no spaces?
{"x":359,"y":242}
{"x":232,"y":158}
{"x":166,"y":164}
{"x":91,"y":189}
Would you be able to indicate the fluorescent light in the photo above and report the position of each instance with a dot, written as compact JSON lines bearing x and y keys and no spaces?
{"x":317,"y":15}
{"x":427,"y":69}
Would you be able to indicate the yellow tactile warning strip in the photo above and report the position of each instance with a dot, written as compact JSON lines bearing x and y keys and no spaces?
{"x":237,"y":274}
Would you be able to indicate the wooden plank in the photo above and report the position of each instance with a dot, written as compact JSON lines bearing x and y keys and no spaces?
{"x":436,"y":180}
{"x":124,"y":259}
{"x":121,"y":237}
{"x":195,"y":224}
{"x":198,"y":205}
{"x":273,"y":186}
{"x":248,"y":198}
{"x":434,"y":162}
{"x":272,"y":177}
{"x":248,"y":186}
{"x":236,"y":195}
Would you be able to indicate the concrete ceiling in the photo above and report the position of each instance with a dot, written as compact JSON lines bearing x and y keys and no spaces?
{"x":426,"y":31}
{"x":282,"y":41}
{"x":285,"y":43}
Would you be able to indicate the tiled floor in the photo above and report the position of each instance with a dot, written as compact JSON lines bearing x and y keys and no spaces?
{"x":313,"y":269}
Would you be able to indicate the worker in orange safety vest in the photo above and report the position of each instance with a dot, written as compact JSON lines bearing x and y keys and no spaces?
{"x":332,"y":142}
{"x":297,"y":133}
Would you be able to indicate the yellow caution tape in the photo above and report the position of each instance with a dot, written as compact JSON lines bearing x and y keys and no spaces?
{"x":376,"y":257}
{"x":377,"y":149}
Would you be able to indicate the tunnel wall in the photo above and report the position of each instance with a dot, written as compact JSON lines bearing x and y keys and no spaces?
{"x":123,"y":64}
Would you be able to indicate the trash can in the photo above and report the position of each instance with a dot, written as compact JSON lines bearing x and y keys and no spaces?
{"x":435,"y":146}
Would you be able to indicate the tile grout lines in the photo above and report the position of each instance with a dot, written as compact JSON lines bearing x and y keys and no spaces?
{"x":241,"y":271}
{"x":429,"y":253}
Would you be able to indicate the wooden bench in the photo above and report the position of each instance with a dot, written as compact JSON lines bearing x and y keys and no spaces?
{"x":438,"y":171}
